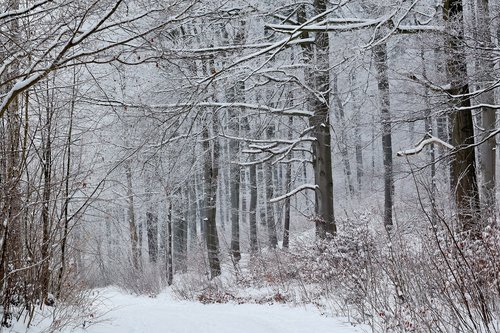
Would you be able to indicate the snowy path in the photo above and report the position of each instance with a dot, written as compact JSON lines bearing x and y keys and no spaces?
{"x":133,"y":314}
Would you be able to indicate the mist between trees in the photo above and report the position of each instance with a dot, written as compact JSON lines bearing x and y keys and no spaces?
{"x":341,"y":153}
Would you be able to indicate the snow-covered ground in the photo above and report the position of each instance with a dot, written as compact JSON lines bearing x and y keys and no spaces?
{"x":137,"y":314}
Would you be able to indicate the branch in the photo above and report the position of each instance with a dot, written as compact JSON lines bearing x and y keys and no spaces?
{"x":279,"y":111}
{"x":295,"y":191}
{"x":421,"y":145}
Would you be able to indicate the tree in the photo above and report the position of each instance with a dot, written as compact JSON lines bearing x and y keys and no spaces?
{"x":211,"y":173}
{"x":134,"y":238}
{"x":317,"y":55}
{"x":380,"y":59}
{"x":237,"y":95}
{"x":486,"y":68}
{"x":463,"y":174}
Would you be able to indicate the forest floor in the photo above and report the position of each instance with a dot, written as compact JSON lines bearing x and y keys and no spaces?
{"x":125,"y":313}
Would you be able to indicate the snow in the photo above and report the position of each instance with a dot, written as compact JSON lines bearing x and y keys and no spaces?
{"x":135,"y":314}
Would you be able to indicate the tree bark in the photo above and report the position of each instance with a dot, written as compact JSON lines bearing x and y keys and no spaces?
{"x":134,"y":241}
{"x":358,"y":145}
{"x":179,"y":232}
{"x":64,"y":239}
{"x":288,"y":187}
{"x":486,"y":65}
{"x":47,"y":186}
{"x":10,"y":232}
{"x":463,"y":175}
{"x":380,"y":59}
{"x":169,"y":265}
{"x":268,"y":182}
{"x":317,"y":57}
{"x":211,"y":172}
{"x":152,"y":232}
{"x":235,"y":174}
{"x":342,"y":137}
{"x":429,"y":129}
{"x":253,"y":208}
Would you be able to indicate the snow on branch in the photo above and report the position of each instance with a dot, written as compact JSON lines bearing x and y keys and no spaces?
{"x":220,"y":48}
{"x":258,"y":107}
{"x":421,"y":145}
{"x":324,"y":28}
{"x":411,"y":29}
{"x":293,"y":192}
{"x":478,"y":106}
{"x":265,"y":141}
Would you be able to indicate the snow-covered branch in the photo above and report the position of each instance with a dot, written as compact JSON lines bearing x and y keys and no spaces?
{"x":478,"y":106}
{"x":289,"y":111}
{"x":421,"y":145}
{"x":294,"y":191}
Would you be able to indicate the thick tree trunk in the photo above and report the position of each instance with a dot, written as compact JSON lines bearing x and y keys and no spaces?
{"x":235,"y":169}
{"x":463,"y":175}
{"x":319,"y":81}
{"x":487,"y":160}
{"x":211,"y":173}
{"x":380,"y":59}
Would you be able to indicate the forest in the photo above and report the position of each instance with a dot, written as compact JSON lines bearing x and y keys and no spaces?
{"x":335,"y":153}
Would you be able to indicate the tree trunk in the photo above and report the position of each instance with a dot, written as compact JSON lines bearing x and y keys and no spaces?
{"x":342,"y":137}
{"x":211,"y":172}
{"x":235,"y":172}
{"x":64,"y":239}
{"x":486,"y":65}
{"x":169,"y":265}
{"x":152,"y":232}
{"x":268,"y":182}
{"x":134,"y":241}
{"x":288,"y":187}
{"x":10,"y":232}
{"x":193,"y":215}
{"x":358,"y":145}
{"x":253,"y":208}
{"x":380,"y":59}
{"x":179,"y":232}
{"x":429,"y":129}
{"x":318,"y":58}
{"x":463,"y":175}
{"x":46,"y":223}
